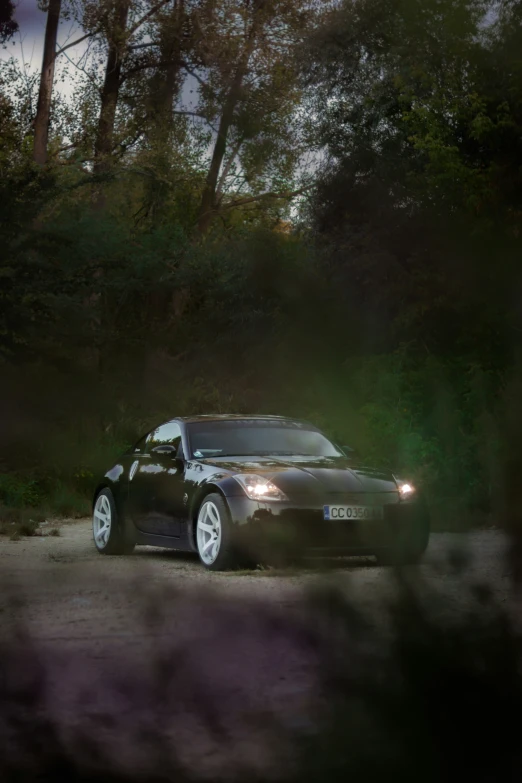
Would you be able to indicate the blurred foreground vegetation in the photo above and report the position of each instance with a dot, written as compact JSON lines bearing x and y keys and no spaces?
{"x":383,"y":303}
{"x":436,"y":694}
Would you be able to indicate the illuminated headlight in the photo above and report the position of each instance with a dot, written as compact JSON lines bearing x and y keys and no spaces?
{"x":259,"y":488}
{"x":406,"y":489}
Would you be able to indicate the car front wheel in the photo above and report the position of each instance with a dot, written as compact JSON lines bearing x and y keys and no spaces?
{"x":214,"y":534}
{"x":108,"y":529}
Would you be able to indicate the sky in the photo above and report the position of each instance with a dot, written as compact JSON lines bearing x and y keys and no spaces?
{"x":30,"y":37}
{"x":27,"y":45}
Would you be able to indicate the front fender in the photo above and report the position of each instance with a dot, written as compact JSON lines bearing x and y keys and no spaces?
{"x":225,"y":485}
{"x":222,"y":484}
{"x":112,"y":480}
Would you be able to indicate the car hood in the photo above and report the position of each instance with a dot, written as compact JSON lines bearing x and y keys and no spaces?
{"x":310,"y":475}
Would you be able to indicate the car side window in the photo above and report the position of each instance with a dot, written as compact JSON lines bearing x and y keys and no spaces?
{"x":167,"y":434}
{"x":139,"y":447}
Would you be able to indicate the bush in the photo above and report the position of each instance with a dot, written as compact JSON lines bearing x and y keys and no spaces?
{"x":18,"y":492}
{"x":436,"y":424}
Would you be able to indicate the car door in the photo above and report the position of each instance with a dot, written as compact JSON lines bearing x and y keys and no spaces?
{"x":156,"y":483}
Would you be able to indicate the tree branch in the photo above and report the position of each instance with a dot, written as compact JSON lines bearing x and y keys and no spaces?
{"x":266,"y":196}
{"x":228,"y":166}
{"x":72,"y":146}
{"x":86,"y":72}
{"x":196,"y":114}
{"x":150,"y":12}
{"x":133,"y":47}
{"x":193,"y":73}
{"x":130,"y":32}
{"x":124,"y":147}
{"x":143,"y":67}
{"x":75,"y":43}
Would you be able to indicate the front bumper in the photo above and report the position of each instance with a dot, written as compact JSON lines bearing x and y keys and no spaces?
{"x":299,"y":528}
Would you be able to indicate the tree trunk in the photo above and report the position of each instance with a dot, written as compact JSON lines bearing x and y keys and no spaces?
{"x":165,"y":83}
{"x":171,"y":53}
{"x":208,"y":200}
{"x":164,"y":87}
{"x":43,"y":110}
{"x":103,"y":146}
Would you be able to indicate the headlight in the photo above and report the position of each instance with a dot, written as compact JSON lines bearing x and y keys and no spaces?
{"x":405,"y":489}
{"x":259,"y":488}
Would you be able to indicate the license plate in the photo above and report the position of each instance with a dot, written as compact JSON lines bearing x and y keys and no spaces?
{"x":352,"y":512}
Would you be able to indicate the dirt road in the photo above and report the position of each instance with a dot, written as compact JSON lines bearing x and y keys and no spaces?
{"x":74,"y":594}
{"x":72,"y":591}
{"x":100,"y":625}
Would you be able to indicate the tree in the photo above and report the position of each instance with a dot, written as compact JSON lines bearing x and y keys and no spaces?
{"x":121,"y":21}
{"x":43,"y":110}
{"x":244,"y":55}
{"x":116,"y":33}
{"x":8,"y":26}
{"x":238,"y":60}
{"x":419,"y":113}
{"x":165,"y":82}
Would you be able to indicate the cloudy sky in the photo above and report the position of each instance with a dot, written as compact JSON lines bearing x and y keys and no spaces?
{"x":31,"y":22}
{"x":27,"y":45}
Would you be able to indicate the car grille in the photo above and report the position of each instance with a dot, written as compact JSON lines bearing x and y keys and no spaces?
{"x":309,"y":529}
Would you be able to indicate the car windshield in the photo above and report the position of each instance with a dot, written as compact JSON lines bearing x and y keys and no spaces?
{"x":258,"y":437}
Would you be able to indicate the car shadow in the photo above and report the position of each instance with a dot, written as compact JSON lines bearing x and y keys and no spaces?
{"x":306,"y":565}
{"x":166,"y":554}
{"x":345,"y":563}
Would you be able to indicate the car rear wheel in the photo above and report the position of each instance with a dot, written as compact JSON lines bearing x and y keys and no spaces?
{"x":108,"y":529}
{"x":213,"y":534}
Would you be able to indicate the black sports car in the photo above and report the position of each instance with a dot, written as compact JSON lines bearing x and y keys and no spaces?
{"x":249,"y":488}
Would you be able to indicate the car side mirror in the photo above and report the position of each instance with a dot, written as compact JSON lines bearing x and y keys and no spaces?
{"x":349,"y":451}
{"x":165,"y":448}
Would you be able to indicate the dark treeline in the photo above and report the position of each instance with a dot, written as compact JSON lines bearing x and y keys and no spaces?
{"x":266,"y":206}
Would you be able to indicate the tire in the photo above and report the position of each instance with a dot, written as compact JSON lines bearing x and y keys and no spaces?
{"x":214,"y":534}
{"x":109,"y":532}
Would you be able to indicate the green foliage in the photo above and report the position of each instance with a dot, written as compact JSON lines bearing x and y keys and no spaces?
{"x":65,"y":501}
{"x":8,"y":26}
{"x":17,"y":492}
{"x":389,"y":318}
{"x":419,"y":107}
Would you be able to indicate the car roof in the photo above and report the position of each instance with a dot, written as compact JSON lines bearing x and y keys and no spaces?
{"x":233,"y":417}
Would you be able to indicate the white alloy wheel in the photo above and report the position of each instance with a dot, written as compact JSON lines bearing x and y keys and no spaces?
{"x":101,"y":521}
{"x":209,"y":532}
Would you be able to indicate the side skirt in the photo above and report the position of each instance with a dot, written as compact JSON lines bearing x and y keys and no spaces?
{"x":166,"y":542}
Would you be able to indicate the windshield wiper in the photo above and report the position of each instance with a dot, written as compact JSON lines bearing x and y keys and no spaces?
{"x":263,"y":453}
{"x":219,"y":454}
{"x":285,"y":454}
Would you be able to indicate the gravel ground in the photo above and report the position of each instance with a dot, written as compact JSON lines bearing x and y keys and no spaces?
{"x":73,"y":593}
{"x":228,"y":639}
